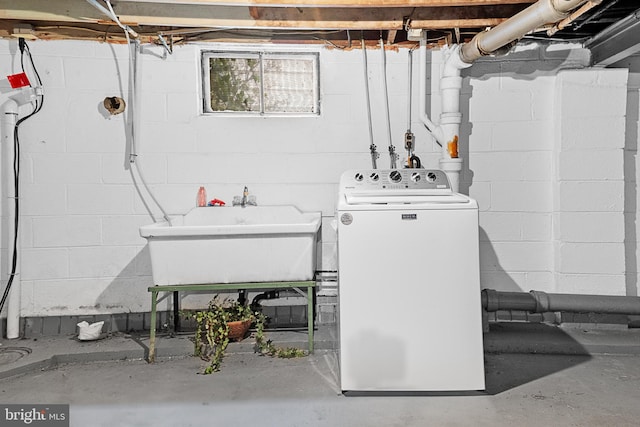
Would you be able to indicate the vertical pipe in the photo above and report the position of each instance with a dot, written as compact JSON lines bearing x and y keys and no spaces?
{"x":372,"y":146}
{"x":392,"y":149}
{"x":9,"y":115}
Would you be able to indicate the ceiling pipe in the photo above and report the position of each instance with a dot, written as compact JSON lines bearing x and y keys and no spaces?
{"x":542,"y":302}
{"x":458,"y":57}
{"x":538,"y":14}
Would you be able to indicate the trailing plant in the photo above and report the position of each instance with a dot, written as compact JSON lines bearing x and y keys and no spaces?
{"x":267,"y":347}
{"x":212,"y":329}
{"x":212,"y":332}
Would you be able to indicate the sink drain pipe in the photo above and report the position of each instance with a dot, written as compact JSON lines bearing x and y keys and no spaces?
{"x":542,"y":302}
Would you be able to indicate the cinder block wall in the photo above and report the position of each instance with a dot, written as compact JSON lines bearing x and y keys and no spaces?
{"x":82,"y":254}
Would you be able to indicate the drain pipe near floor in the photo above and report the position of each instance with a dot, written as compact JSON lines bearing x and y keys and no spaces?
{"x":542,"y":302}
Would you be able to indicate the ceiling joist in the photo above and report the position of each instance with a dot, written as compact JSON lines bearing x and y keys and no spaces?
{"x":332,"y":14}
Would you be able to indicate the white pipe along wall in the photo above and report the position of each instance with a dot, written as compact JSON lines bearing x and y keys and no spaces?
{"x":9,"y":115}
{"x":10,"y":111}
{"x":462,"y":56}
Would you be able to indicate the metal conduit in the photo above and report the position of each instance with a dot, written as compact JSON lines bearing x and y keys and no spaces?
{"x":542,"y":302}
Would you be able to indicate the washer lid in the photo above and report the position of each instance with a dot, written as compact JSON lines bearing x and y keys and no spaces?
{"x":403,"y":197}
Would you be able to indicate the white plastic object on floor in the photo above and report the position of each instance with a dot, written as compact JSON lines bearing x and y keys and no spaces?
{"x":90,"y":332}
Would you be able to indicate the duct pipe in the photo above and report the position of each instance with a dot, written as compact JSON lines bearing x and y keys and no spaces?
{"x":538,"y":14}
{"x":8,"y":124}
{"x":542,"y":302}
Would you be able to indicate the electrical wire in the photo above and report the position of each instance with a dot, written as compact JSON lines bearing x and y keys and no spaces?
{"x":16,"y":167}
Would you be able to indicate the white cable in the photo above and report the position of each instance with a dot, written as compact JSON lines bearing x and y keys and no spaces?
{"x":133,"y":102}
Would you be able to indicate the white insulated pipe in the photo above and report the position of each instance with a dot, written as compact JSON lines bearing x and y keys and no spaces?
{"x":7,"y":128}
{"x":538,"y":14}
{"x":448,"y":130}
{"x":462,"y":56}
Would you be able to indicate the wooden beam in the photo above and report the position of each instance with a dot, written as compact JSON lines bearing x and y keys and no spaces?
{"x":338,"y":3}
{"x":204,"y":14}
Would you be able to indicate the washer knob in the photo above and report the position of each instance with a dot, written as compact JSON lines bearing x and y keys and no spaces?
{"x":415,"y":177}
{"x":431,"y":177}
{"x":374,"y":176}
{"x":359,"y":177}
{"x":395,"y":176}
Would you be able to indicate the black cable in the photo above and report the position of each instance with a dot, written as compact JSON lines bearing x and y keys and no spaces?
{"x":16,"y":168}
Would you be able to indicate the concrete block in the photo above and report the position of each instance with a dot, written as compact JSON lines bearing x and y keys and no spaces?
{"x":101,"y":261}
{"x":590,"y":227}
{"x":32,"y":327}
{"x":592,"y":92}
{"x":116,"y":168}
{"x":68,"y":325}
{"x":540,"y":281}
{"x":169,"y":137}
{"x":523,"y":135}
{"x":481,"y":192}
{"x":521,"y":196}
{"x":49,"y":168}
{"x":183,"y":106}
{"x":517,"y":256}
{"x":118,"y":322}
{"x":89,"y":131}
{"x":62,"y":231}
{"x":536,"y":227}
{"x":500,"y":226}
{"x":585,"y":196}
{"x":593,"y":258}
{"x":584,"y":133}
{"x":486,"y":106}
{"x":44,"y":263}
{"x":592,"y":165}
{"x":79,"y":73}
{"x":591,"y":284}
{"x":43,"y":199}
{"x":136,"y":322}
{"x":51,"y":326}
{"x":100,"y":199}
{"x":480,"y":136}
{"x":122,"y":230}
{"x":153,"y":107}
{"x":511,"y":166}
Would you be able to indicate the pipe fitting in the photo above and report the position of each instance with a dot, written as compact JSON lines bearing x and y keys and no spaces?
{"x":450,"y":118}
{"x":542,"y":301}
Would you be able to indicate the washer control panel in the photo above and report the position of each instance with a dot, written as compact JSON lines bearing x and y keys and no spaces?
{"x":395,"y":179}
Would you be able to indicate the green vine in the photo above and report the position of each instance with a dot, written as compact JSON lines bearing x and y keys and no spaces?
{"x":212,"y":332}
{"x":267,"y":347}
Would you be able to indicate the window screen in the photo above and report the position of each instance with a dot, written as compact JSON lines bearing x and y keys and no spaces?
{"x":261,"y":83}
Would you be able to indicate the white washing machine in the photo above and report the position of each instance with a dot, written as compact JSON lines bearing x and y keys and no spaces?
{"x":409,"y":287}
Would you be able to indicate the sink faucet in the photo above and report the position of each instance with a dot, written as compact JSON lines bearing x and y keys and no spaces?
{"x":244,"y":200}
{"x":245,"y":195}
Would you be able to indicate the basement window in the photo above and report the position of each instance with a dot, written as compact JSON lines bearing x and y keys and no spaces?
{"x":261,"y":83}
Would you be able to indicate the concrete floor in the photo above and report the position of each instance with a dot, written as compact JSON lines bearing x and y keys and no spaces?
{"x":536,"y":375}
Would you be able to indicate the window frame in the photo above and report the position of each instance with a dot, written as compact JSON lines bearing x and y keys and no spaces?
{"x":206,"y":54}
